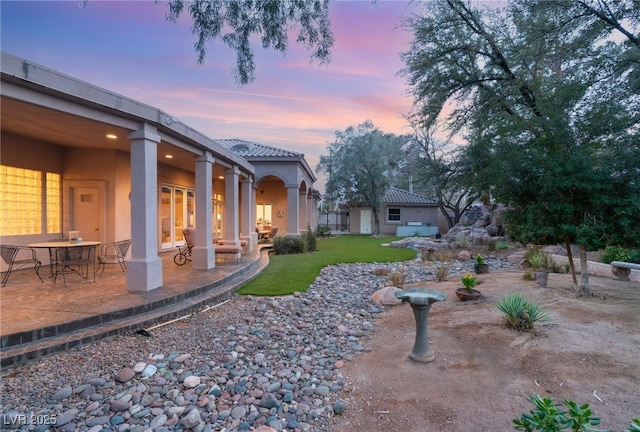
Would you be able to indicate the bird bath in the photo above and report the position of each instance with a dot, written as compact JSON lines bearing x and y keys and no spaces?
{"x":421,"y":300}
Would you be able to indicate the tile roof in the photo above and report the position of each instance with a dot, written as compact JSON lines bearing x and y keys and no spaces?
{"x":399,"y":196}
{"x":252,"y":149}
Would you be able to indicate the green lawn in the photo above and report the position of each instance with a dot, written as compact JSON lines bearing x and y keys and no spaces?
{"x":286,"y":274}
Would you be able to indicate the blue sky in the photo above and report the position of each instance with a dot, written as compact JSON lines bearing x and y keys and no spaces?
{"x":128,"y":47}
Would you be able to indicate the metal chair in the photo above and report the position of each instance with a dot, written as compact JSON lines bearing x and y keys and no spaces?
{"x":26,"y":259}
{"x":77,"y":260}
{"x":113,"y":253}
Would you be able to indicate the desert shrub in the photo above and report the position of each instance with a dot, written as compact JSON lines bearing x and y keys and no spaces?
{"x":528,"y":275}
{"x":442,"y":273}
{"x":288,"y":245}
{"x":397,"y":279}
{"x":380,"y":271}
{"x":311,"y":242}
{"x":462,"y":240}
{"x":443,"y":256}
{"x":549,"y":416}
{"x":519,"y":313}
{"x":538,"y":259}
{"x":498,"y":245}
{"x":552,"y":417}
{"x":323,"y":231}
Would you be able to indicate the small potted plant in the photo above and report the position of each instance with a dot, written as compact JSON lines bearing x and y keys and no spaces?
{"x":468,"y":292}
{"x":480,"y":266}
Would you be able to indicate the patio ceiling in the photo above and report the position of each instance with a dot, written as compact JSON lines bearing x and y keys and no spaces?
{"x":69,"y":130}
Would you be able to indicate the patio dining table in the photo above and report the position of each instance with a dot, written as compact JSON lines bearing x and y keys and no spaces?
{"x":61,"y":256}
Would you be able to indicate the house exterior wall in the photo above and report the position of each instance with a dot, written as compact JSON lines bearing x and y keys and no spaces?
{"x":272,"y":191}
{"x":427,"y":215}
{"x":22,"y":152}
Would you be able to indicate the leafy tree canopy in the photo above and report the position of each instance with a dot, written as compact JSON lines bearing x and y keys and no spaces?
{"x":362,"y":164}
{"x":235,"y":22}
{"x":546,"y":94}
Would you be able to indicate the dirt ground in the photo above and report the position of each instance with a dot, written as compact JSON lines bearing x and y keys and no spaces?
{"x":587,"y":351}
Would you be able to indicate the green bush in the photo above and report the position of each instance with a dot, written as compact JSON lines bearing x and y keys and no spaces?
{"x":289,"y":244}
{"x":498,"y":245}
{"x":323,"y":231}
{"x":619,"y":253}
{"x":311,"y":242}
{"x":538,"y":259}
{"x":614,"y":253}
{"x":551,"y":417}
{"x":520,"y":313}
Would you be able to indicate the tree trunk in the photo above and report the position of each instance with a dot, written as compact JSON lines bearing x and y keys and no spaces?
{"x":376,"y":221}
{"x":567,"y":244}
{"x":585,"y":271}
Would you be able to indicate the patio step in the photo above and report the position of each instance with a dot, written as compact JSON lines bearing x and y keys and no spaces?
{"x":22,"y":347}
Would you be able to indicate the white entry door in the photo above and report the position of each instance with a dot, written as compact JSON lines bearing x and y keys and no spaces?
{"x":365,"y":221}
{"x":85,"y":210}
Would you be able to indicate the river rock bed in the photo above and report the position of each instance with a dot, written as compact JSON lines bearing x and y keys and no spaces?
{"x":253,"y":363}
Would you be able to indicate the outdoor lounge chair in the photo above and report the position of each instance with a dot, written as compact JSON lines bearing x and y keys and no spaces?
{"x":184,"y":252}
{"x":18,"y":257}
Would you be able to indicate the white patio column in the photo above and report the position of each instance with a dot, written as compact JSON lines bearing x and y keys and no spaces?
{"x":248,"y":216}
{"x":311,"y":212}
{"x":231,"y":204}
{"x":302,"y":202}
{"x":203,"y":254}
{"x":144,"y":268}
{"x":293,"y":193}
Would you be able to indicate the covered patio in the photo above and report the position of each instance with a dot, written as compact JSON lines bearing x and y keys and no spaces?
{"x":38,"y":318}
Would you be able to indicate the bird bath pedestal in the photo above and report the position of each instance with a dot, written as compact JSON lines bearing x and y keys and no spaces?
{"x":421,"y":300}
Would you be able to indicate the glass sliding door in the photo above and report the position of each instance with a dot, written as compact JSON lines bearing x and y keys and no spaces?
{"x":177,"y":211}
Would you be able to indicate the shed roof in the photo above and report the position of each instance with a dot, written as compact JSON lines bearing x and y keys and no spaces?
{"x":395,"y":196}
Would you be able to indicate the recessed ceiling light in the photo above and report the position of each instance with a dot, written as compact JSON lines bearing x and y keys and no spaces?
{"x":221,"y":177}
{"x":168,"y":156}
{"x":112,"y":136}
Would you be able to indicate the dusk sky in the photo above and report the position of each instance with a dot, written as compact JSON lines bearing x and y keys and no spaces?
{"x":129,"y":48}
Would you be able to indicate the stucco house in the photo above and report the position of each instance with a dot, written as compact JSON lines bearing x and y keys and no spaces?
{"x":404,"y":214}
{"x":283,"y":184}
{"x":75,"y":156}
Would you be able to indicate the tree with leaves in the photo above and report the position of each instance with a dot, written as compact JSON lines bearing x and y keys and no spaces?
{"x":235,"y":22}
{"x":545,"y":99}
{"x":443,"y":171}
{"x":362,"y":165}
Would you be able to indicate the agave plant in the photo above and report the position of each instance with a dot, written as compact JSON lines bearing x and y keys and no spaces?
{"x":519,"y":312}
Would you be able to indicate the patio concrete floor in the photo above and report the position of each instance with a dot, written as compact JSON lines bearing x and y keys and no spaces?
{"x":38,"y":318}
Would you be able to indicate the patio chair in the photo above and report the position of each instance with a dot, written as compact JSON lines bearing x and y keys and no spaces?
{"x":18,"y":257}
{"x":113,"y":253}
{"x":272,"y":234}
{"x":77,"y":260}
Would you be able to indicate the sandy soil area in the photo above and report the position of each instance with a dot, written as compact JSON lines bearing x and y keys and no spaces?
{"x":587,"y":351}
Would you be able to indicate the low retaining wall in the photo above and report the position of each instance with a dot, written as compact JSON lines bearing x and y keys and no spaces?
{"x":596,"y":268}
